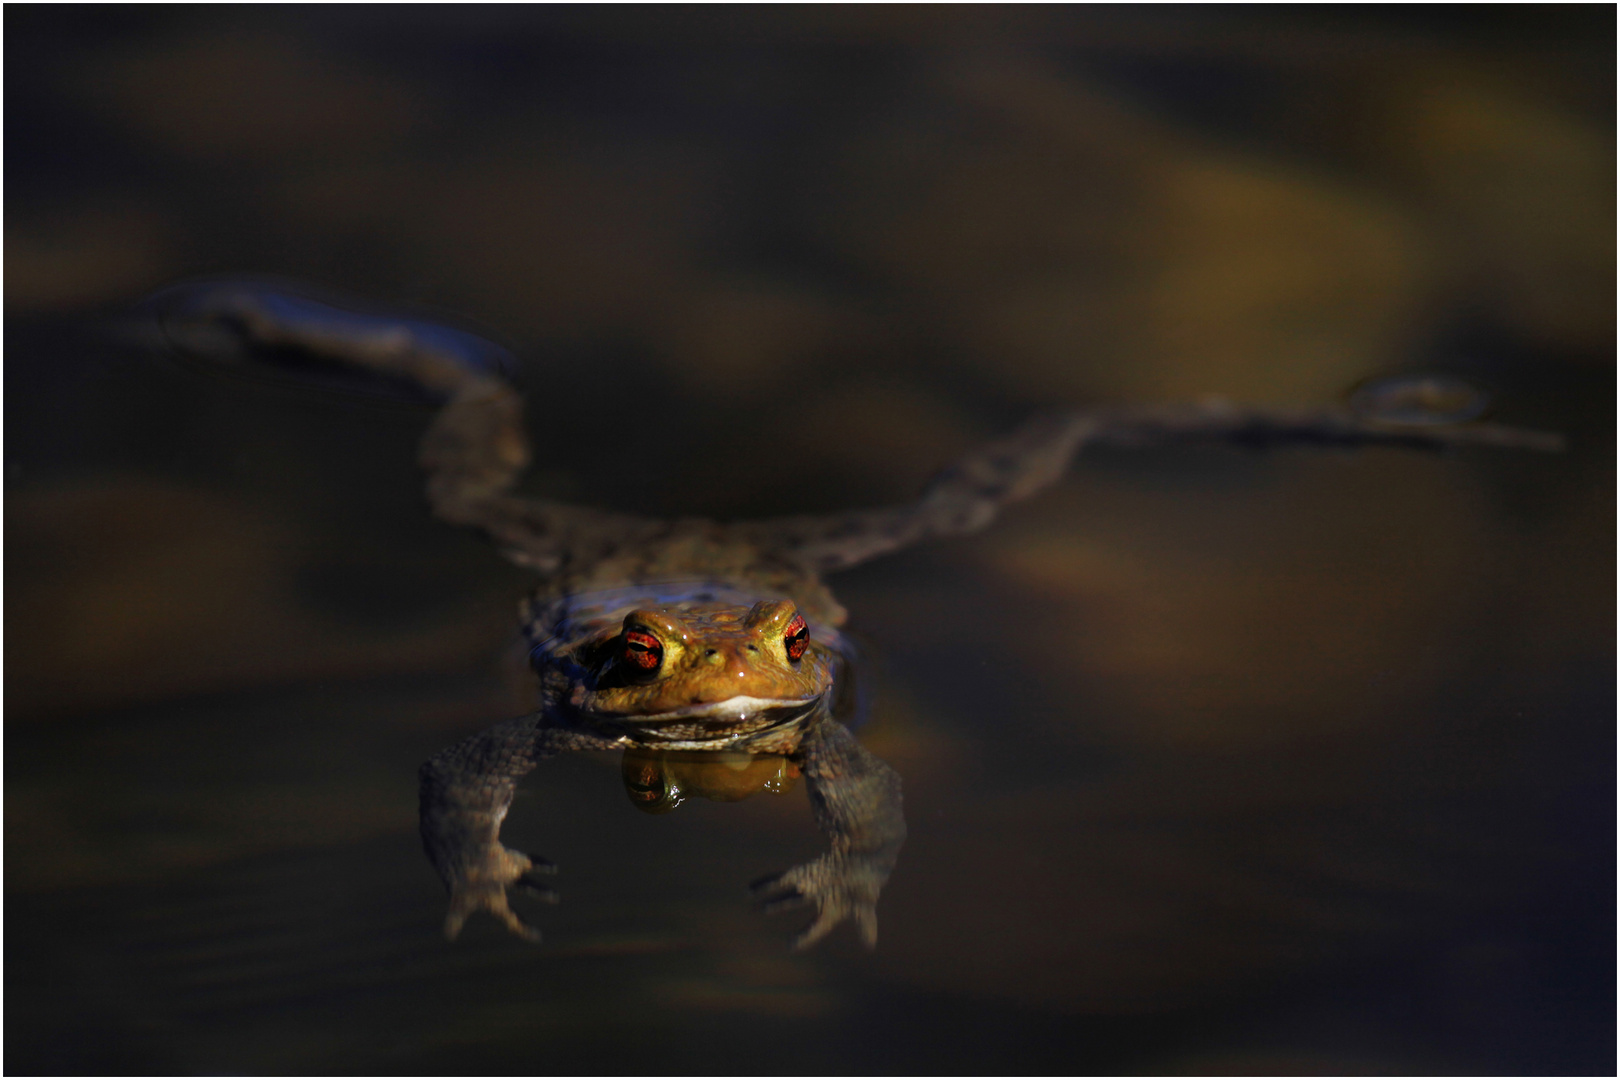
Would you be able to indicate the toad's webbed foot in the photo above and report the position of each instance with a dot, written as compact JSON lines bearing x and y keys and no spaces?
{"x":840,"y":886}
{"x":481,"y":886}
{"x":856,"y":802}
{"x":465,"y":792}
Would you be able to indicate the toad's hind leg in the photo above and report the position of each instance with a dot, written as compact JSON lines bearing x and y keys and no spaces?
{"x":967,"y":496}
{"x":475,"y":447}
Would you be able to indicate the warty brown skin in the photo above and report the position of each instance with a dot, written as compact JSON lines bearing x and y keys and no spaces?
{"x":715,"y":601}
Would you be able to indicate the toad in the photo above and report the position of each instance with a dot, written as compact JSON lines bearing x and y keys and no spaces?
{"x":708,"y":653}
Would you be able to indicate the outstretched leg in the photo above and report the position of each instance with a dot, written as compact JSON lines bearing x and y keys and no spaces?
{"x":465,"y":793}
{"x":475,"y":447}
{"x":856,"y":801}
{"x":967,"y":496}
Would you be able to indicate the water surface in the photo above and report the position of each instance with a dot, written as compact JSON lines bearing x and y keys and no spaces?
{"x":1214,"y":761}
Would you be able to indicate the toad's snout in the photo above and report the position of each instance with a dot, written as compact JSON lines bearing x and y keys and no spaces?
{"x":737,"y":669}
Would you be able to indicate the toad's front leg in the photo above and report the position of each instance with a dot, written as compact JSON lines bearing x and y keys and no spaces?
{"x":856,"y":801}
{"x":465,"y":793}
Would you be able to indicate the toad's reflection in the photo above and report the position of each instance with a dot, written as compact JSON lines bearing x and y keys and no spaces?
{"x":659,"y":782}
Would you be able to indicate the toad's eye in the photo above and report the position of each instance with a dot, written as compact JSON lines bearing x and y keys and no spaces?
{"x":796,"y":637}
{"x":642,"y":650}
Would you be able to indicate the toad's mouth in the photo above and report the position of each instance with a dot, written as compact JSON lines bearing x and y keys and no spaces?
{"x":712,"y":720}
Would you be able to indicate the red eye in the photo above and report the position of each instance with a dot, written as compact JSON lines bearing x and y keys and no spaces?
{"x":642,"y":650}
{"x":796,"y":637}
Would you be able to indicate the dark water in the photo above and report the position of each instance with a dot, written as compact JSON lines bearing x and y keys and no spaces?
{"x":1214,"y":761}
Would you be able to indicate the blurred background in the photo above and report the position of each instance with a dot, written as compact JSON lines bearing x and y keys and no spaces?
{"x":1215,"y":761}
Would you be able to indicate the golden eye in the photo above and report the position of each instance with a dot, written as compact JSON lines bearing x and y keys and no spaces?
{"x":796,"y":637}
{"x":642,"y":651}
